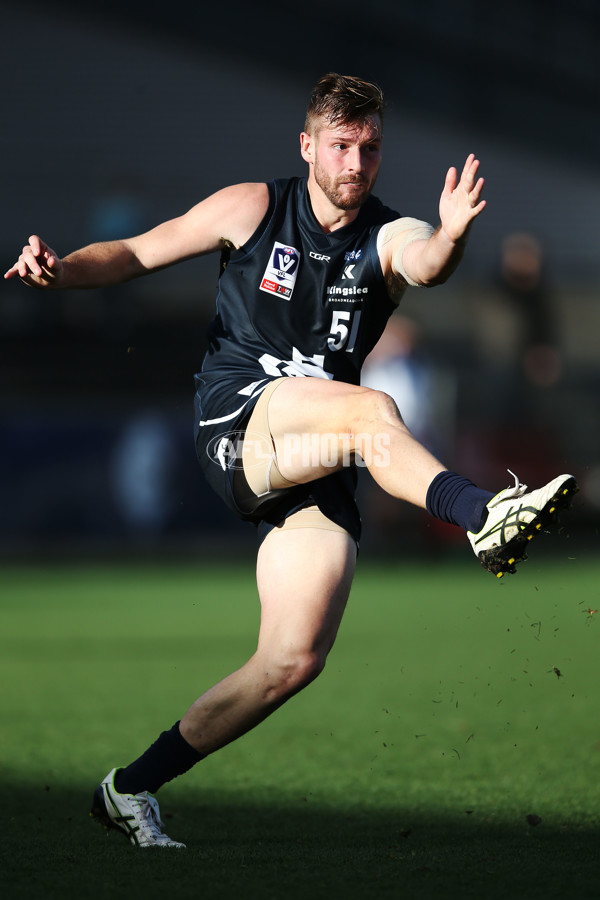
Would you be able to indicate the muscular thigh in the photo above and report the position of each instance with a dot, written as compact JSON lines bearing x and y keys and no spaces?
{"x":282,"y":503}
{"x":304,"y":575}
{"x":316,"y":405}
{"x":300,"y":418}
{"x":313,"y":427}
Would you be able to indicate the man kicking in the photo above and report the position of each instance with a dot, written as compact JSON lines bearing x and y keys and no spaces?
{"x":311,"y":270}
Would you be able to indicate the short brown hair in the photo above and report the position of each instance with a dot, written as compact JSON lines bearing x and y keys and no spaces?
{"x":343,"y":98}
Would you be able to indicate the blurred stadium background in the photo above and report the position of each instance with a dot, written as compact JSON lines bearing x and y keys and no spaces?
{"x":119,"y":119}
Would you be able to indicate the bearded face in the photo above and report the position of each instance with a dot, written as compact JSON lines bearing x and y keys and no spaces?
{"x":344,"y":191}
{"x":346,"y":161}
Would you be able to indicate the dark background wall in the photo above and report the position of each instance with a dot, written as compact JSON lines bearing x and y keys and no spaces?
{"x":118,"y":119}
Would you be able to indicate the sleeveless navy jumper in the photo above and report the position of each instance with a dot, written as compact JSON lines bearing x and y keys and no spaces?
{"x":295,"y":302}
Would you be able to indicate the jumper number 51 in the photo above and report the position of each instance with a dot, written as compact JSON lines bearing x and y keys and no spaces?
{"x":344,"y":329}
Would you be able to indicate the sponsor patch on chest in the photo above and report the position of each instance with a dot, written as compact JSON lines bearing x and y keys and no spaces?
{"x":282,"y":269}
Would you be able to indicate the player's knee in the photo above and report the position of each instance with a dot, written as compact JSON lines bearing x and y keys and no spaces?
{"x":374,"y":409}
{"x":302,"y":668}
{"x":294,"y":671}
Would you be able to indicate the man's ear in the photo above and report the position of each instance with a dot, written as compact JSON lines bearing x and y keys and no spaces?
{"x":307,"y":147}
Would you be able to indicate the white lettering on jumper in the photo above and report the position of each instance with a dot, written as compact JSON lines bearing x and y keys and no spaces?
{"x":335,"y":293}
{"x":298,"y":366}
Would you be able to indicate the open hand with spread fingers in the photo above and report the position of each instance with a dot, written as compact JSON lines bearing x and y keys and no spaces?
{"x":38,"y":265}
{"x":460,"y":202}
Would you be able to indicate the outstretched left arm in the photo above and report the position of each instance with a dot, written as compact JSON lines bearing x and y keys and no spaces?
{"x":430,"y":262}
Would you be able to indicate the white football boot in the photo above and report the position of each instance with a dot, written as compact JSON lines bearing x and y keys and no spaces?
{"x":136,"y":815}
{"x":514,"y":517}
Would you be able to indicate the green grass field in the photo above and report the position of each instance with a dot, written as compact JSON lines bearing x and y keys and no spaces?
{"x":454,"y":708}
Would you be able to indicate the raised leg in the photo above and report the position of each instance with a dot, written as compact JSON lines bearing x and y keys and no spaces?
{"x":318,"y":426}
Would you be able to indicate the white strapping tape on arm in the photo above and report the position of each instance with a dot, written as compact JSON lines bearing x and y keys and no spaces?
{"x":414,"y":230}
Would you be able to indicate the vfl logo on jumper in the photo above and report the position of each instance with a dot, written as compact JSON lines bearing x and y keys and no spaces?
{"x":280,"y":274}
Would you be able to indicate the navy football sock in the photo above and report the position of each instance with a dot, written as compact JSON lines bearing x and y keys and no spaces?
{"x":169,"y":756}
{"x":453,"y":498}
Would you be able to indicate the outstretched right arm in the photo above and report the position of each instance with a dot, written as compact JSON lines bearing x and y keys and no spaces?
{"x":98,"y":265}
{"x":231,"y":215}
